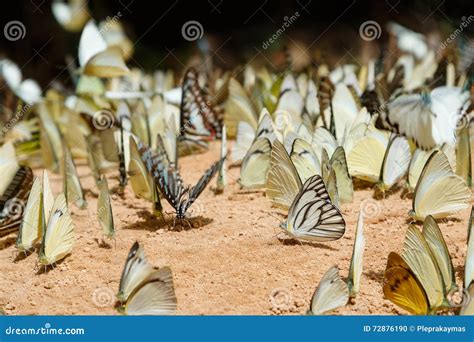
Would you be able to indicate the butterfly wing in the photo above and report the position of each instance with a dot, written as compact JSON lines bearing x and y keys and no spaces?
{"x":72,"y":185}
{"x":304,"y":159}
{"x":355,"y":268}
{"x":154,"y":296}
{"x":331,"y":293}
{"x":104,"y":209}
{"x":463,"y":156}
{"x":283,"y":182}
{"x":253,"y":172}
{"x":402,"y":288}
{"x":8,"y":166}
{"x":239,"y":110}
{"x":417,"y":163}
{"x":135,"y":271}
{"x":142,"y":184}
{"x":196,"y":190}
{"x":417,"y":254}
{"x":469,"y":264}
{"x":312,"y":216}
{"x":439,"y":192}
{"x":59,"y":235}
{"x":344,"y":181}
{"x":30,"y":228}
{"x":440,"y":252}
{"x":245,"y":136}
{"x":396,"y":161}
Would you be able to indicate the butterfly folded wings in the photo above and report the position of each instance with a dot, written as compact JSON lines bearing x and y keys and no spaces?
{"x":198,"y":115}
{"x":143,"y":289}
{"x":58,"y":233}
{"x":312,"y":216}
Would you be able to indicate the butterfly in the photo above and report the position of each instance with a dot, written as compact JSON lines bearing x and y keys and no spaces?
{"x":366,"y":158}
{"x":417,"y":163}
{"x":96,"y":58}
{"x":141,"y":181}
{"x":395,"y":163}
{"x":255,"y":165}
{"x":198,"y":115}
{"x":355,"y":268}
{"x":283,"y":181}
{"x":422,"y":277}
{"x":222,"y":176}
{"x":57,"y":233}
{"x":14,"y":189}
{"x":240,"y":111}
{"x":27,"y":90}
{"x":331,"y":293}
{"x":31,"y":229}
{"x":144,"y":290}
{"x":170,"y":182}
{"x":463,"y":155}
{"x":429,"y":118}
{"x":439,"y":191}
{"x":72,"y":15}
{"x":104,"y":209}
{"x":72,"y":187}
{"x":469,"y":263}
{"x":312,"y":216}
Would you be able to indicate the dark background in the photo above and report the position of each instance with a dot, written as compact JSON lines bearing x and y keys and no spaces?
{"x":235,"y":29}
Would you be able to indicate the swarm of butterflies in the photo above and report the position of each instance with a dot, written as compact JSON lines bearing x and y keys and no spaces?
{"x":306,"y":139}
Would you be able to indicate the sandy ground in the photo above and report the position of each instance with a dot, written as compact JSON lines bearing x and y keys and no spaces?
{"x":234,"y":263}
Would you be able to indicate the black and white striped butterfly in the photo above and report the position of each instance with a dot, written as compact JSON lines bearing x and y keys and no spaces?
{"x":312,"y":216}
{"x":169,"y":180}
{"x":199,"y":117}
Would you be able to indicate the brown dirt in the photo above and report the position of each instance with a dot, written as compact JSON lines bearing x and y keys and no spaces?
{"x":232,"y":264}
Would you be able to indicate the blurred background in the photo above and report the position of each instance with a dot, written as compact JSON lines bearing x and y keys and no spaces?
{"x":233,"y":31}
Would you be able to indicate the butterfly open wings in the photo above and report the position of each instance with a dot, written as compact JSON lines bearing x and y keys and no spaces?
{"x":170,"y":182}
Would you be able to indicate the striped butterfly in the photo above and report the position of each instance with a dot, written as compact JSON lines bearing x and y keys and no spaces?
{"x":312,"y":216}
{"x":11,"y":200}
{"x":198,"y":115}
{"x":170,"y":182}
